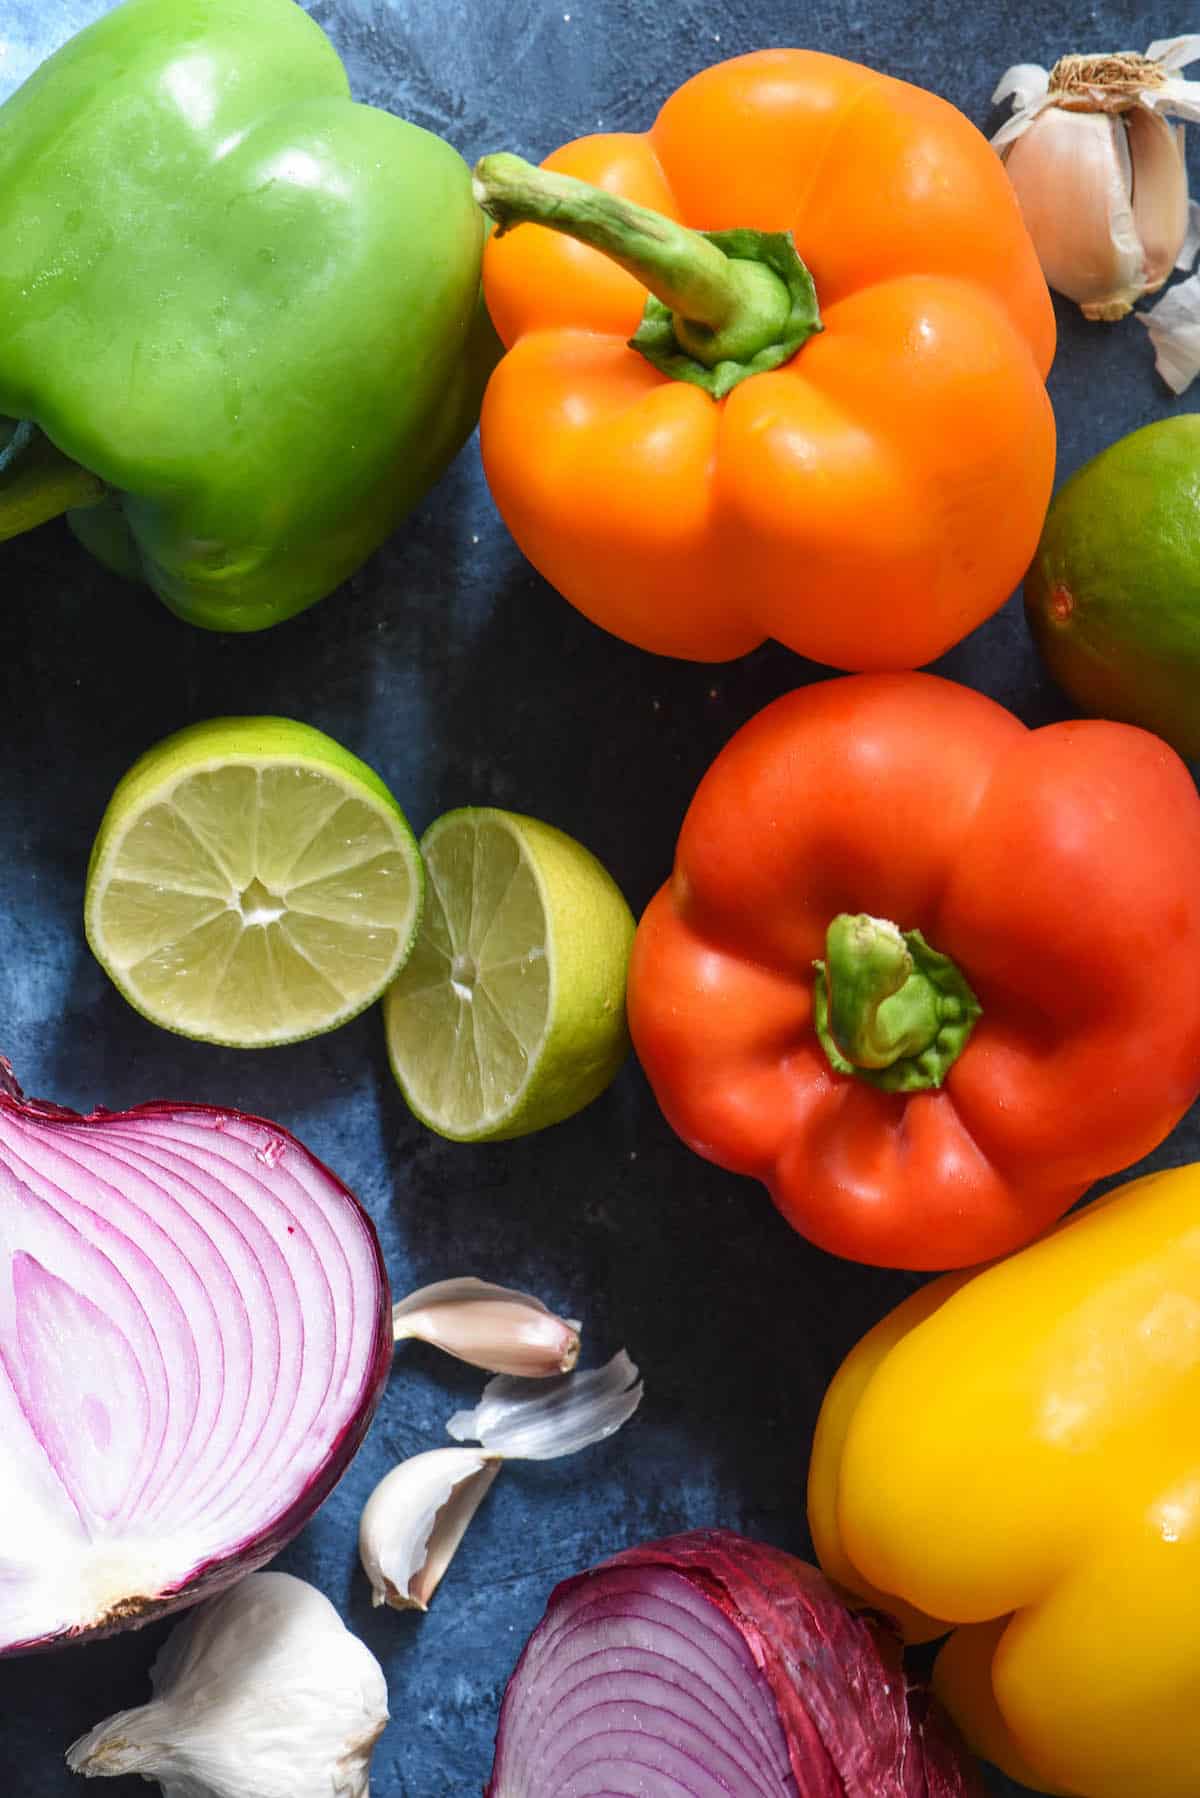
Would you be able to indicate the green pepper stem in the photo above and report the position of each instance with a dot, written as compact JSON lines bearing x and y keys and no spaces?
{"x":679,"y":266}
{"x":889,"y":1008}
{"x":37,"y":482}
{"x":729,"y":304}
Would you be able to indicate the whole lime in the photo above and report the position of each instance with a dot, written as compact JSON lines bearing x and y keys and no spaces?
{"x":1113,"y":595}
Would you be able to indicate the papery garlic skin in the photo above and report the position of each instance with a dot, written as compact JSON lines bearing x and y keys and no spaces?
{"x":491,"y":1327}
{"x":260,"y":1693}
{"x":415,"y":1519}
{"x":527,"y":1421}
{"x":1174,"y":327}
{"x":1099,"y":172}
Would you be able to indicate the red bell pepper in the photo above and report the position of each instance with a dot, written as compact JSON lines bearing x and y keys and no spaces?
{"x":926,"y":973}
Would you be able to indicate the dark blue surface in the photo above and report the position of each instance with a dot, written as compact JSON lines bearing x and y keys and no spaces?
{"x":452,"y":668}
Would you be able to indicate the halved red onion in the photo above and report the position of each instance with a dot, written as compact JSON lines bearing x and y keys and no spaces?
{"x":709,"y":1666}
{"x":195,"y":1330}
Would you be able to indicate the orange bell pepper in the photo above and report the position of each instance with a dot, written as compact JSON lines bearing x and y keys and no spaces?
{"x":1005,"y":1001}
{"x":868,"y":487}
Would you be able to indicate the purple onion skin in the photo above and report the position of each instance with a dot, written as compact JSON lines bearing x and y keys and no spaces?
{"x":215,"y":1576}
{"x":855,"y":1725}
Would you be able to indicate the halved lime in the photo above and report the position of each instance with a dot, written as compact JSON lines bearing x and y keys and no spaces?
{"x":252,"y":883}
{"x":510,"y":1013}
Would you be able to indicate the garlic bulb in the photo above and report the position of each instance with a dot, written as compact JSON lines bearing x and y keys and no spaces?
{"x":259,"y":1693}
{"x":418,"y":1514}
{"x":1100,"y":172}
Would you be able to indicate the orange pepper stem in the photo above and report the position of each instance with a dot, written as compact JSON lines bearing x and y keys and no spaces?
{"x":37,"y":482}
{"x":887,"y":1007}
{"x":724,"y":304}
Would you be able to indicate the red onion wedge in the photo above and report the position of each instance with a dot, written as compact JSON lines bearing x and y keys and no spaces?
{"x":709,"y":1666}
{"x":195,"y":1329}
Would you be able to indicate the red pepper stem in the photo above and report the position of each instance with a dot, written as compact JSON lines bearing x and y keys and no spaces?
{"x":889,"y":1008}
{"x":37,"y":482}
{"x":724,"y":305}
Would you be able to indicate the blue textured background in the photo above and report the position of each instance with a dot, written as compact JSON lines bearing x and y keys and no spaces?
{"x":449,"y":665}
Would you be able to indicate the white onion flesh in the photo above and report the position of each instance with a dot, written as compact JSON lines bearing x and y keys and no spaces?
{"x":194,"y":1330}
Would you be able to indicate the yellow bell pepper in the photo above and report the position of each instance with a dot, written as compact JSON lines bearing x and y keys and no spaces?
{"x":1017,"y":1452}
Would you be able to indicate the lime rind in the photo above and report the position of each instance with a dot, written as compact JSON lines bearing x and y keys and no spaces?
{"x":509,"y":1014}
{"x":252,"y":884}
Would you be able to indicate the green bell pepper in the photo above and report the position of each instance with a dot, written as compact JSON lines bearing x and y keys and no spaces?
{"x":242,"y":311}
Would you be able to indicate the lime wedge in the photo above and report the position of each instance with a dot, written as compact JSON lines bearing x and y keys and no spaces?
{"x":510,"y":1013}
{"x":252,"y":883}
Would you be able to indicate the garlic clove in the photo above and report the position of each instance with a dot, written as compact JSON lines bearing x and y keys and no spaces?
{"x":260,"y":1693}
{"x":1160,"y":192}
{"x":1074,"y":177}
{"x":542,"y":1420}
{"x":490,"y":1327}
{"x":415,"y":1519}
{"x":417,"y":1515}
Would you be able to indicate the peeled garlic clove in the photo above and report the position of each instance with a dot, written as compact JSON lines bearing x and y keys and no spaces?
{"x":490,"y":1327}
{"x":526,"y":1420}
{"x":262,"y":1690}
{"x":415,"y":1519}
